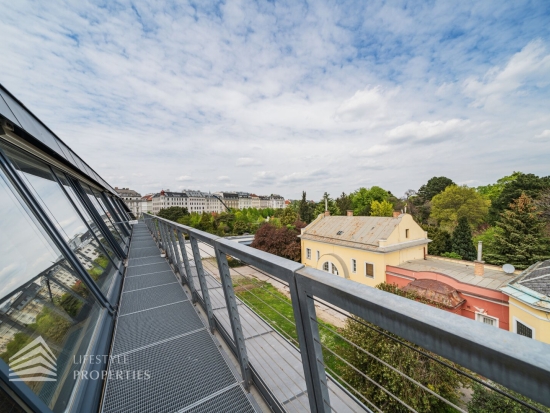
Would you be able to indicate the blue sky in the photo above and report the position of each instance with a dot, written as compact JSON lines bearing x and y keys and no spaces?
{"x":275,"y":97}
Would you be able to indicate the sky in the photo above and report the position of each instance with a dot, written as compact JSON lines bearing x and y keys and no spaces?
{"x":281,"y":97}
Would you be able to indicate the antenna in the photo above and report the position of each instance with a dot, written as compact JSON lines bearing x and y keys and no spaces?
{"x":508,"y":268}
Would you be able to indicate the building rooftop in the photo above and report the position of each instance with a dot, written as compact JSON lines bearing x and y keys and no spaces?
{"x":463,"y":271}
{"x":127,"y":192}
{"x":357,"y":232}
{"x":532,"y":286}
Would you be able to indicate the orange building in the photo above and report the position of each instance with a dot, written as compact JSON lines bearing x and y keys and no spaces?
{"x":454,"y":285}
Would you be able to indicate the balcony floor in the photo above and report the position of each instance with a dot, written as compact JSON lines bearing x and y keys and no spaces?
{"x":165,"y":359}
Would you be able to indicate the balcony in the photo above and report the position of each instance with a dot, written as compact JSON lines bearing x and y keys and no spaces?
{"x":99,"y":312}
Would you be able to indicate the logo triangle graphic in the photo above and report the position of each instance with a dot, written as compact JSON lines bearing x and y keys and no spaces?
{"x":34,"y":362}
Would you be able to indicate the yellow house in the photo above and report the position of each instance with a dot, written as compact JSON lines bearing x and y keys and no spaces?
{"x":359,"y":248}
{"x":529,"y":302}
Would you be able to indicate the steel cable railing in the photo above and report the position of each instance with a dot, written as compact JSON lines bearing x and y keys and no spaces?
{"x":317,"y":287}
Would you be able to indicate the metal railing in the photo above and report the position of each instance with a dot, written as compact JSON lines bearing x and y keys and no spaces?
{"x":515,"y":362}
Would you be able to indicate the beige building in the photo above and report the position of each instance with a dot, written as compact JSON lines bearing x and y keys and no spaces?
{"x":255,"y":201}
{"x":359,"y":248}
{"x":131,"y":198}
{"x":529,"y":302}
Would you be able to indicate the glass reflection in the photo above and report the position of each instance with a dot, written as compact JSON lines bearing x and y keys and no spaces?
{"x":104,"y":214}
{"x":86,"y":246}
{"x":40,"y":297}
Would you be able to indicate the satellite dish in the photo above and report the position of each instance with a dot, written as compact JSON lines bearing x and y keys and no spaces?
{"x":508,"y":268}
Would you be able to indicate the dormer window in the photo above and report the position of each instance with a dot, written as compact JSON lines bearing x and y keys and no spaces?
{"x":339,"y":232}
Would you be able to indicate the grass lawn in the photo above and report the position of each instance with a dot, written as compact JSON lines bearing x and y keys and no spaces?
{"x":276,"y":309}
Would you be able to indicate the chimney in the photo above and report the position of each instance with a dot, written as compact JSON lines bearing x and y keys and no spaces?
{"x":327,"y":213}
{"x":479,"y":268}
{"x":396,"y":214}
{"x":350,"y":212}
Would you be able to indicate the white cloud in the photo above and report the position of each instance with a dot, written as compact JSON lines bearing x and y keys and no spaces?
{"x":531,"y":64}
{"x":286,"y":88}
{"x":545,"y":134}
{"x":183,"y":178}
{"x":223,"y":178}
{"x":369,"y":103}
{"x":427,"y":130}
{"x":248,"y":162}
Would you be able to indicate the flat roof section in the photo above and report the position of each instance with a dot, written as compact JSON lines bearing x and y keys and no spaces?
{"x":462,"y":271}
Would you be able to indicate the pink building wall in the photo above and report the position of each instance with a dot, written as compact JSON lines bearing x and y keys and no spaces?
{"x":494,"y":303}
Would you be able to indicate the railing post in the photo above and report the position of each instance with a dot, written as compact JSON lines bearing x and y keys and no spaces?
{"x":231,"y":303}
{"x":202,"y":281}
{"x":175,"y":246}
{"x":165,"y":244}
{"x":310,"y":345}
{"x":188,"y":277}
{"x":169,"y":234}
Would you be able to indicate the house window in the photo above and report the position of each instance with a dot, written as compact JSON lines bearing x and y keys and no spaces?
{"x":330,"y":267}
{"x":369,"y":270}
{"x":485,"y":319}
{"x":308,"y":253}
{"x":523,"y":330}
{"x":406,"y":233}
{"x":353,"y":265}
{"x":318,"y":255}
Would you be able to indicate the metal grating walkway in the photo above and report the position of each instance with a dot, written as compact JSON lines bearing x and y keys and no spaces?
{"x":165,"y":360}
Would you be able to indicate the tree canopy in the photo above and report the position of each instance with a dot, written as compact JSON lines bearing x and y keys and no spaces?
{"x":461,"y":240}
{"x":529,"y":184}
{"x":456,"y":202}
{"x":434,"y":186}
{"x":520,"y":238}
{"x":320,"y":207}
{"x":381,"y":209}
{"x":173,"y":213}
{"x":363,"y":198}
{"x":283,"y":241}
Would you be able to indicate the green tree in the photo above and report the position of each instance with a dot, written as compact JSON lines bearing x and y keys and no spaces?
{"x":441,"y":240}
{"x":433,"y":187}
{"x":343,"y":202}
{"x":381,"y":209}
{"x":431,"y":374}
{"x":420,"y":201}
{"x":362,"y":199}
{"x":489,"y":243}
{"x":289,"y":217}
{"x":493,"y":191}
{"x":520,"y":238}
{"x":456,"y":202}
{"x":320,"y":207}
{"x":485,"y":400}
{"x":462,"y":243}
{"x":173,"y":213}
{"x":306,"y":209}
{"x":205,"y":223}
{"x":530,"y":184}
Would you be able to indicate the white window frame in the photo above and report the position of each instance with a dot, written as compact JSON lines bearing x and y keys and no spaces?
{"x":353,"y":265}
{"x":308,"y":253}
{"x":373,"y":269}
{"x":318,"y":255}
{"x":480,"y":319}
{"x":515,"y":321}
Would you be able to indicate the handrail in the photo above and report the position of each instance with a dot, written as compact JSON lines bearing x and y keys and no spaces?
{"x":518,"y":363}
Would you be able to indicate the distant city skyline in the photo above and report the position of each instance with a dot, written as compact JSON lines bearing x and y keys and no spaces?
{"x":285,"y":97}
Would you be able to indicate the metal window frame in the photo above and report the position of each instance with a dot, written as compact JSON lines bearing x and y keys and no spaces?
{"x":51,"y":230}
{"x":81,"y":194}
{"x":119,"y":220}
{"x":86,"y":395}
{"x":107,"y":212}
